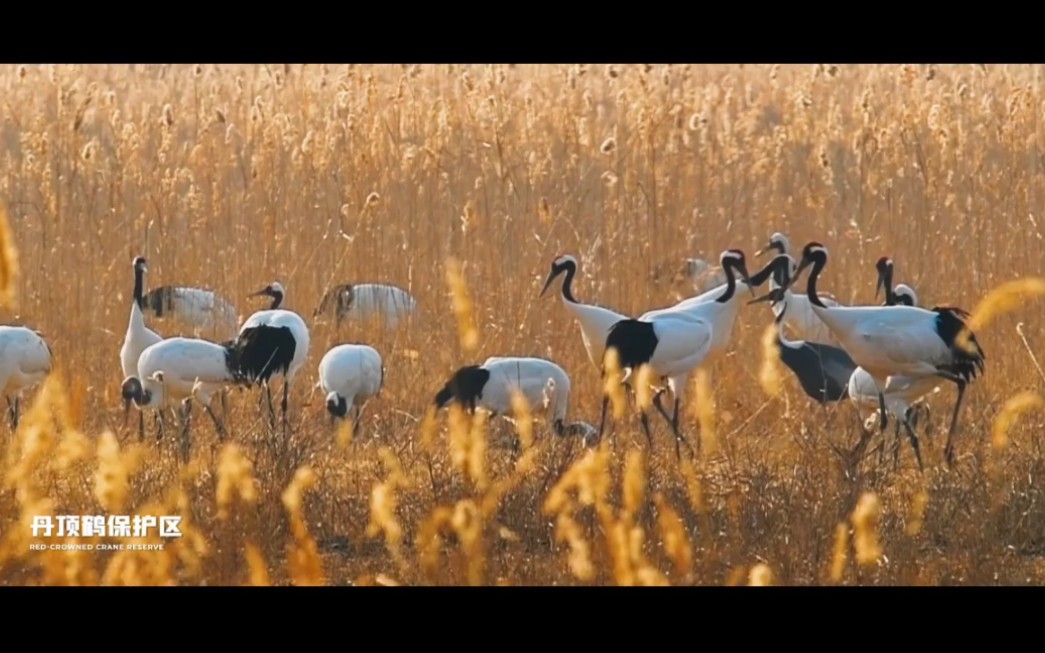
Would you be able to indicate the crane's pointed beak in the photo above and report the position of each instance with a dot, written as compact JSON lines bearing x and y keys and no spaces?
{"x":775,"y":295}
{"x":548,"y":282}
{"x":263,"y":291}
{"x":764,"y":250}
{"x":742,"y":268}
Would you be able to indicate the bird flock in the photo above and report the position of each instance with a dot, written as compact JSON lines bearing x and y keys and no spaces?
{"x":888,"y":356}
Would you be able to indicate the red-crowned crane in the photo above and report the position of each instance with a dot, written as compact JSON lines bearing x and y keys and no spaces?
{"x":138,"y":337}
{"x":364,"y":300}
{"x":25,"y":360}
{"x":800,"y":319}
{"x":718,"y":307}
{"x":272,"y":342}
{"x":672,"y":344}
{"x":204,"y":311}
{"x":900,"y":340}
{"x":489,"y":386}
{"x":177,"y":370}
{"x":350,"y":375}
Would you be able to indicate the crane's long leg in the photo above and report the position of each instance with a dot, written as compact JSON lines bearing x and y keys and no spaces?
{"x":660,"y":407}
{"x":160,"y":420}
{"x":602,"y":420}
{"x":355,"y":423}
{"x":913,"y":438}
{"x":222,"y":434}
{"x":12,"y":409}
{"x":286,"y":394}
{"x":678,"y":433}
{"x":896,"y":444}
{"x":881,"y":448}
{"x":673,"y":421}
{"x":883,"y":420}
{"x":960,"y":382}
{"x":187,"y":410}
{"x":917,"y":418}
{"x":645,"y":427}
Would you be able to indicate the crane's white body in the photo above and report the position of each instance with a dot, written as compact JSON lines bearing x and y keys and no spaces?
{"x":900,"y":391}
{"x":719,"y":316}
{"x":180,"y":368}
{"x":685,"y":342}
{"x":205,"y":311}
{"x":529,"y":376}
{"x":25,"y":360}
{"x":366,"y":300}
{"x":889,"y":340}
{"x":801,"y":320}
{"x":351,"y":372}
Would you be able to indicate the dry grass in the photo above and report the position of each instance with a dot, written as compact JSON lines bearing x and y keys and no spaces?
{"x":461,"y":184}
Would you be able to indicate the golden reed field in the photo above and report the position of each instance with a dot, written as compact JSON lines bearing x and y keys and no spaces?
{"x":462,"y":184}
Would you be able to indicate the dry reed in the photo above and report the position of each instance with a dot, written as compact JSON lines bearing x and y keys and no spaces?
{"x":471,"y":178}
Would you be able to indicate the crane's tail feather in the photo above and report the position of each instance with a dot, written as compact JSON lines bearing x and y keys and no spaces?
{"x":968,"y":355}
{"x":260,"y":352}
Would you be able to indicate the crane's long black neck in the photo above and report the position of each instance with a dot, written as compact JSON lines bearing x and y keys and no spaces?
{"x":818,"y":265}
{"x":779,"y":268}
{"x":731,"y":283}
{"x":277,"y":300}
{"x":139,"y":286}
{"x":782,"y":340}
{"x":567,"y":283}
{"x":755,"y":280}
{"x":890,"y":292}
